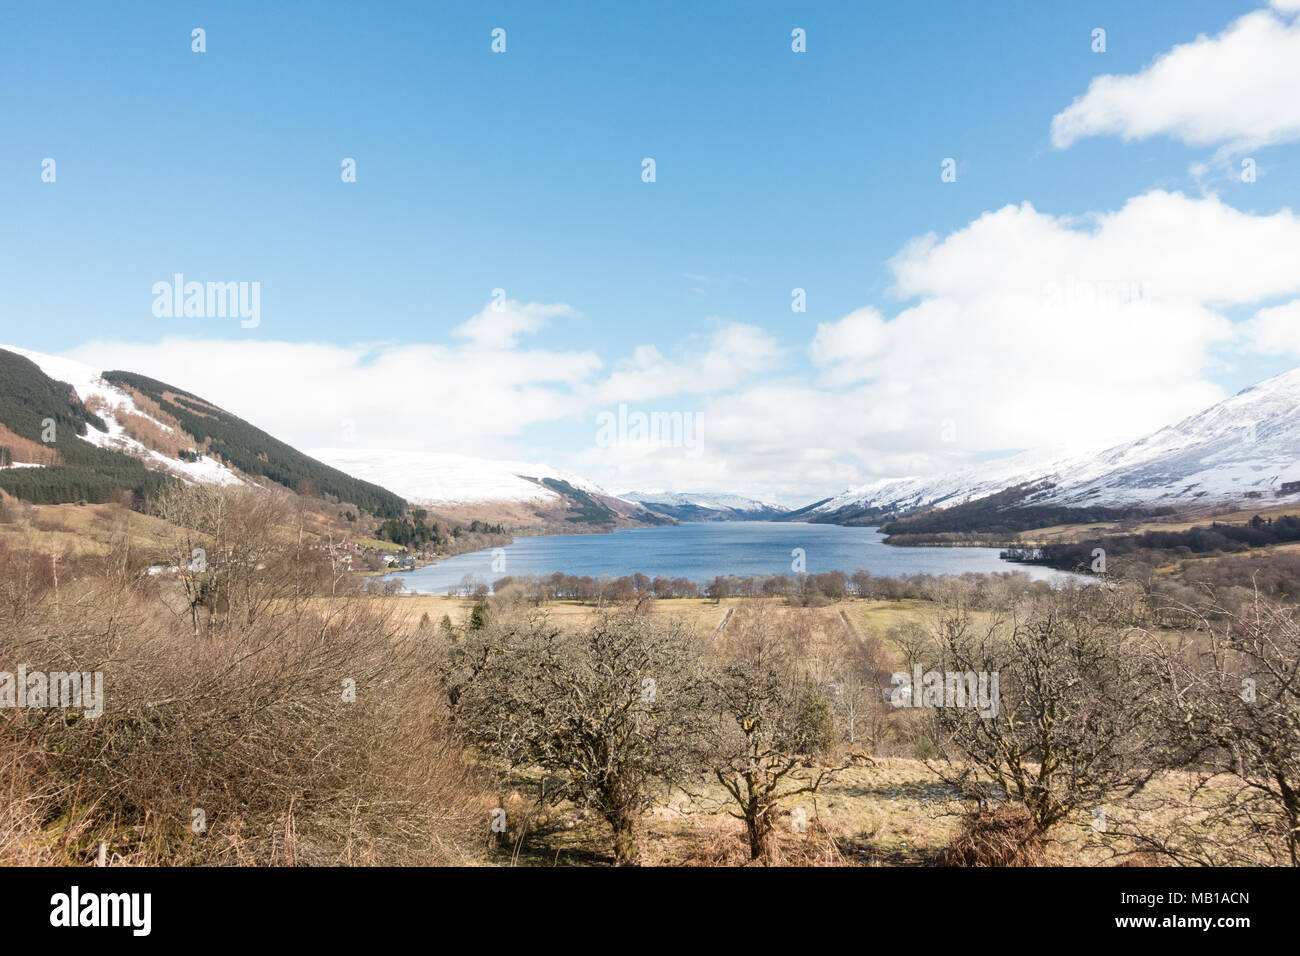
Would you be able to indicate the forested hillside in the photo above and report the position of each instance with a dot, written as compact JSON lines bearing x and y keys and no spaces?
{"x":54,"y":449}
{"x":45,"y":420}
{"x":254,"y":452}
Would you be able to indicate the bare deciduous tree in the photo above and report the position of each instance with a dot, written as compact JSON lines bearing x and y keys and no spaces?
{"x":772,"y":723}
{"x":237,"y":552}
{"x":615,"y":710}
{"x":1076,"y":722}
{"x":1232,"y":691}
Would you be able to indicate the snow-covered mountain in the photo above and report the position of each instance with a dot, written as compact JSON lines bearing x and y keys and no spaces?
{"x":520,"y":492}
{"x":114,"y":405}
{"x":1246,"y":447}
{"x":443,"y":478}
{"x":967,"y":483}
{"x":704,"y":506}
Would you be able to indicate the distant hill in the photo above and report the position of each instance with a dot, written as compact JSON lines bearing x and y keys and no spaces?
{"x":705,"y":506}
{"x":1244,"y":449}
{"x":118,"y":432}
{"x":518,"y":492}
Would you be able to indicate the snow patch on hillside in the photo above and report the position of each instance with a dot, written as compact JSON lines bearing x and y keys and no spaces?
{"x":715,"y":501}
{"x":1246,"y":447}
{"x":88,"y":382}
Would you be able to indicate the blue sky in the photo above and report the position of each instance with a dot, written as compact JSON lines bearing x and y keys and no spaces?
{"x":522,"y":171}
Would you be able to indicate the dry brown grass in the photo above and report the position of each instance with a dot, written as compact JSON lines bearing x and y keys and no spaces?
{"x":720,"y":841}
{"x":996,"y":836}
{"x":71,"y":529}
{"x":895,"y":812}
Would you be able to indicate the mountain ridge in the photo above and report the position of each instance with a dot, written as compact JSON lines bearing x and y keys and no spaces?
{"x":705,"y":506}
{"x":1243,"y":448}
{"x":451,"y":481}
{"x":121,"y":424}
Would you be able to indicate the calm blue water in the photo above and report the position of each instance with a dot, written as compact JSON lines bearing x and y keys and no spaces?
{"x":704,"y":550}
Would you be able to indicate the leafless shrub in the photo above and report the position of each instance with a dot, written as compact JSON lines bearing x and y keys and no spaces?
{"x":309,"y":732}
{"x":1231,"y":688}
{"x":1077,"y":720}
{"x":1004,"y":835}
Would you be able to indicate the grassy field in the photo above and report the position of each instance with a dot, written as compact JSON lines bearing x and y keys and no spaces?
{"x":96,"y":528}
{"x":698,"y":613}
{"x":701,"y":614}
{"x":889,"y":812}
{"x":895,"y":812}
{"x":381,"y":545}
{"x":86,"y":529}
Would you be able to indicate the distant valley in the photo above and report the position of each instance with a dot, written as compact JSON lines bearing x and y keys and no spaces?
{"x":118,"y":432}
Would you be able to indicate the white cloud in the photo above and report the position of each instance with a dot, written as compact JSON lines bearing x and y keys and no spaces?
{"x":776,"y":439}
{"x":859,"y":336}
{"x":1031,"y":328}
{"x":485,"y":397}
{"x":1276,"y":330}
{"x":467,"y":398}
{"x":1240,"y":88}
{"x":501,"y":323}
{"x":734,"y":354}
